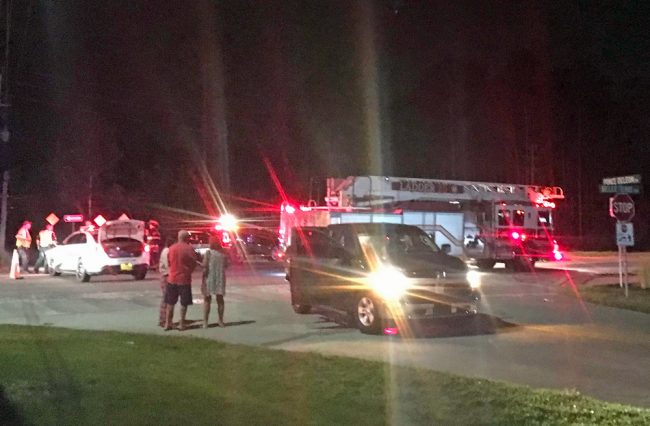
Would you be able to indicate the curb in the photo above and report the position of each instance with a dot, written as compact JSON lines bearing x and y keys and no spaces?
{"x":611,"y":279}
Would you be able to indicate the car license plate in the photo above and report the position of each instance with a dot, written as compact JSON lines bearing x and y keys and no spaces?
{"x":126,"y":267}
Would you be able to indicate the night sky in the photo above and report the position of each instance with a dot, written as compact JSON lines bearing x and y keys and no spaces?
{"x":137,"y":95}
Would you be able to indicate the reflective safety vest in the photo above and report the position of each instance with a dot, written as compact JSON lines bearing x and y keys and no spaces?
{"x":46,"y":238}
{"x":23,"y":238}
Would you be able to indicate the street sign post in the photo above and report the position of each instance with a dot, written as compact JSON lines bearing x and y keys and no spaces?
{"x":621,"y":206}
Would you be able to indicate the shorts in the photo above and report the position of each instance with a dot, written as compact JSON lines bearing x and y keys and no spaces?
{"x":174,"y":291}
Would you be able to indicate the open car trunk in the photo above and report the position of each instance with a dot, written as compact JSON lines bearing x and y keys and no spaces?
{"x":131,"y":229}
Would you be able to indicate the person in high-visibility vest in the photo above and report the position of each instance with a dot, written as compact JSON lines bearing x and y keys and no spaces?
{"x":23,"y":243}
{"x":45,"y":241}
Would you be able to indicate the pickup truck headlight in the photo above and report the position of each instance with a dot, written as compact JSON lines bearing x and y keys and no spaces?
{"x":474,"y":279}
{"x":388,"y":282}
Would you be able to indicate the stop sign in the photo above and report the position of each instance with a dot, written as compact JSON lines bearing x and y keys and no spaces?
{"x":622,"y":207}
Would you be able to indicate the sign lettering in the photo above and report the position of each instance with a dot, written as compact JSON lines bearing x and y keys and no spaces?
{"x":622,"y":180}
{"x":426,"y":186}
{"x":621,"y":206}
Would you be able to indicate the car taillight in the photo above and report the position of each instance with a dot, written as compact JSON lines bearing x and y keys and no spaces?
{"x":515,"y":235}
{"x":147,"y":248}
{"x":225,"y":240}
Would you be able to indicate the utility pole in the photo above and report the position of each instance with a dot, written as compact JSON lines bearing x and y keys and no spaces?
{"x":4,"y":131}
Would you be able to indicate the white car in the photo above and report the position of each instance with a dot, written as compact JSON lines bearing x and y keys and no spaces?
{"x":117,"y":247}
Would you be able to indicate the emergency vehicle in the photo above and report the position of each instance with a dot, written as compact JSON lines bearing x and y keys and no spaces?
{"x":482,"y":222}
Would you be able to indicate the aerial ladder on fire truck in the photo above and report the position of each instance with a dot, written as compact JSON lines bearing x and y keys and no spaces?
{"x":480,"y":221}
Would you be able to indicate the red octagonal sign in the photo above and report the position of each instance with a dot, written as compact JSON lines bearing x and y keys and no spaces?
{"x":622,"y":207}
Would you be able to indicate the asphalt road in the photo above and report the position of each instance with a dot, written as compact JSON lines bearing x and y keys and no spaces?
{"x":533,"y":329}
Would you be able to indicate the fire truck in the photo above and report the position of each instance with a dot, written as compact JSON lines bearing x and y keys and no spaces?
{"x":484,"y":223}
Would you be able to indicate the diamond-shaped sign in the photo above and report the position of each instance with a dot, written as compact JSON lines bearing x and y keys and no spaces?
{"x":52,"y":219}
{"x":100,"y":220}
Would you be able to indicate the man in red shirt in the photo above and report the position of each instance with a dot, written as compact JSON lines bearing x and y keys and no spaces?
{"x":182,"y":261}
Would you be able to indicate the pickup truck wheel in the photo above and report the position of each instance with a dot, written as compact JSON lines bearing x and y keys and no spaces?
{"x":82,"y":275}
{"x":366,"y":315}
{"x":297,"y":302}
{"x":521,"y":264}
{"x":485,"y":264}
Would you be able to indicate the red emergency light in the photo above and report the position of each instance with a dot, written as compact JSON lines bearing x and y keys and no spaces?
{"x":391,"y":331}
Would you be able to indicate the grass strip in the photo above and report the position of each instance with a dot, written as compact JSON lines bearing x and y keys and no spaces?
{"x":612,"y":295}
{"x":59,"y":376}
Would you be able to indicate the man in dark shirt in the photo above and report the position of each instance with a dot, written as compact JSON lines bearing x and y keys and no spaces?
{"x":182,"y":261}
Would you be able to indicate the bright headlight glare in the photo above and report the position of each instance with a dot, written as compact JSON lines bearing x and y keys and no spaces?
{"x":388,"y":282}
{"x":474,"y":279}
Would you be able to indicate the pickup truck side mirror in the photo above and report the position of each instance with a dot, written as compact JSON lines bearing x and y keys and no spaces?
{"x":446,"y":248}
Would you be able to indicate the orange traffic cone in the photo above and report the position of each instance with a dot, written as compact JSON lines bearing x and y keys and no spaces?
{"x":14,"y":271}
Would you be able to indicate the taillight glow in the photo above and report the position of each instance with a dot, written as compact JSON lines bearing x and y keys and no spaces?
{"x":147,"y":248}
{"x":390,"y":331}
{"x":225,"y":239}
{"x":515,"y":235}
{"x":290,"y":209}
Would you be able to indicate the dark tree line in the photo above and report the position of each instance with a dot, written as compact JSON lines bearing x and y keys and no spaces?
{"x":129,"y":96}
